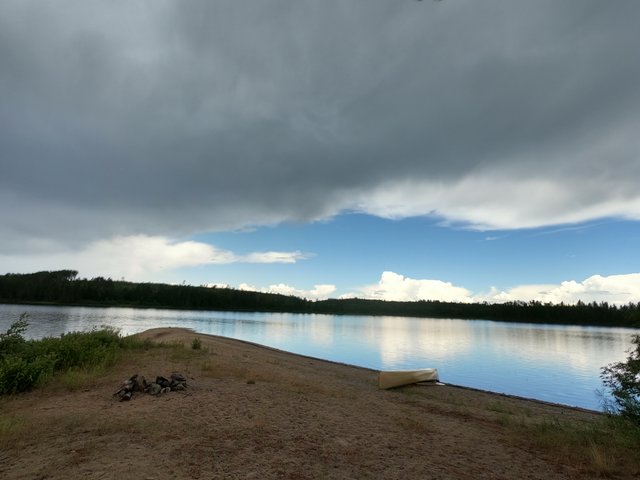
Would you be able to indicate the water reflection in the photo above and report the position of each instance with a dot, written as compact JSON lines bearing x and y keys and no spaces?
{"x":554,"y":363}
{"x":435,"y":339}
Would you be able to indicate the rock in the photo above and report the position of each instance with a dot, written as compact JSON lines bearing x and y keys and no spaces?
{"x":154,"y":389}
{"x":178,"y":377}
{"x":141,"y":384}
{"x":126,"y":389}
{"x":178,"y":387}
{"x":138,"y":383}
{"x":126,"y":396}
{"x":175,"y":384}
{"x":163,"y":382}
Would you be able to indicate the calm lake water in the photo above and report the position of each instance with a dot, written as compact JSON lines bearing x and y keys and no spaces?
{"x":554,"y":363}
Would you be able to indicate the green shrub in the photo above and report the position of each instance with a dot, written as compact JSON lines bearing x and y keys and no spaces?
{"x":12,"y":340}
{"x":25,"y":363}
{"x":78,"y":349}
{"x":623,"y":380}
{"x":18,"y":374}
{"x":196,"y":344}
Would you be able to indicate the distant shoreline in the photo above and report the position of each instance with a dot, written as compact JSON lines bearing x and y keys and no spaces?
{"x":62,"y":288}
{"x":240,"y":310}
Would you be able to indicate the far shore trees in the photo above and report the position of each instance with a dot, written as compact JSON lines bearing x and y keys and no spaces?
{"x":63,"y":287}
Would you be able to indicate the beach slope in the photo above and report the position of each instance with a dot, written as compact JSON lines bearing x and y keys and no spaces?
{"x":255,"y":412}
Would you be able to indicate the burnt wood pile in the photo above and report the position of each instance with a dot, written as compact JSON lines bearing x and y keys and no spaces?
{"x":138,"y":384}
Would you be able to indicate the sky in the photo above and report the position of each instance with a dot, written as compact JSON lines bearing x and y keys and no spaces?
{"x":394,"y":149}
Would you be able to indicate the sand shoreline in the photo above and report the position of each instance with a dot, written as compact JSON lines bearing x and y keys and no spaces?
{"x":252,"y":411}
{"x":372,"y":370}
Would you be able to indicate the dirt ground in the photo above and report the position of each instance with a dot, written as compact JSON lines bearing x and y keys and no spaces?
{"x":255,"y":412}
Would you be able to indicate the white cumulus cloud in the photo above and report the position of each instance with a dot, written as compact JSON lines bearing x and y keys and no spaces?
{"x":505,"y":200}
{"x":393,"y":286}
{"x":138,"y":257}
{"x":319,"y":292}
{"x":614,"y":289}
{"x":274,"y":257}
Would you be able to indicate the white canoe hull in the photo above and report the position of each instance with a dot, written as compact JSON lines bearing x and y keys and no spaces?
{"x":406,"y":377}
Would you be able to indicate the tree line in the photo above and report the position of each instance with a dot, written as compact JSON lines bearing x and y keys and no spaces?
{"x":65,"y":288}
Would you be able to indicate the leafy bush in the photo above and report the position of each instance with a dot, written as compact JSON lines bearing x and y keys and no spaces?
{"x":623,"y":379}
{"x":12,"y":341}
{"x":18,"y":374}
{"x":78,"y":349}
{"x":25,"y":363}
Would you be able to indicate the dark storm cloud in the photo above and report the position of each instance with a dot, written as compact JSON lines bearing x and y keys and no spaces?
{"x":175,"y":117}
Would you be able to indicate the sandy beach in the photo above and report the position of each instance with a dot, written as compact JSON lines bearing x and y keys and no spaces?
{"x":255,"y":412}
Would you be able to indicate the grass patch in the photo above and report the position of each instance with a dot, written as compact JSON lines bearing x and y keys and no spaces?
{"x":78,"y":378}
{"x":499,"y":407}
{"x":178,"y":351}
{"x":604,"y":447}
{"x":15,"y":432}
{"x":10,"y":425}
{"x":233,"y":370}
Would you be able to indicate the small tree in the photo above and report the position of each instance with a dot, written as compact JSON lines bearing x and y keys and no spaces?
{"x":623,"y":379}
{"x":13,"y":338}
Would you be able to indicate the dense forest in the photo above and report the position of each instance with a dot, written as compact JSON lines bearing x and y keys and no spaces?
{"x":65,"y":288}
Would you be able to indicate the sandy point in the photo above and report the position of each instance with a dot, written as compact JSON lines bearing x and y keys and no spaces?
{"x":251,"y":411}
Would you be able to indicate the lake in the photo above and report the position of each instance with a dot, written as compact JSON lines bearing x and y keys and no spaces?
{"x":554,"y":363}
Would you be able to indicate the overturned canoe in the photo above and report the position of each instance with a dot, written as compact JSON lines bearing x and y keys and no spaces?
{"x":406,"y":377}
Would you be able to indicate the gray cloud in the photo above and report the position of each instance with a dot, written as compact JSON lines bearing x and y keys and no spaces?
{"x":166,"y":118}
